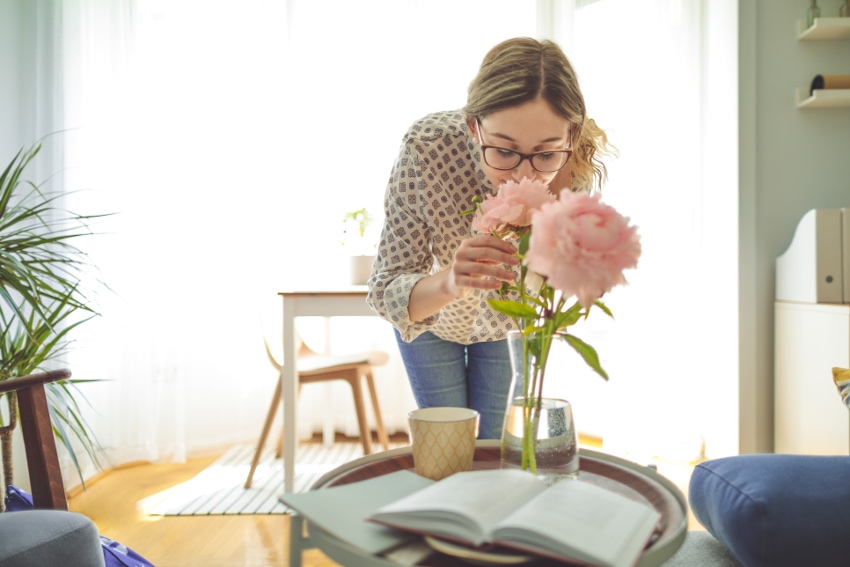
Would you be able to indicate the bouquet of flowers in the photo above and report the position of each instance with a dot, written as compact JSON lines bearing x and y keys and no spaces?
{"x":569,"y":246}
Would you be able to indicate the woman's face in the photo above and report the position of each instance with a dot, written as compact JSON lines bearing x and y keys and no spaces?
{"x":528,"y":128}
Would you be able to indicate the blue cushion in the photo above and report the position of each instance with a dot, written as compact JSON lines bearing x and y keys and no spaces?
{"x":776,"y":510}
{"x":40,"y":538}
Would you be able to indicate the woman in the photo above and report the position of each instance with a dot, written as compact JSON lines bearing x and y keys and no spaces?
{"x":432,"y":277}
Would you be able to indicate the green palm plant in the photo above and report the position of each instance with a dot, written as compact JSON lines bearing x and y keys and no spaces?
{"x":42,"y":301}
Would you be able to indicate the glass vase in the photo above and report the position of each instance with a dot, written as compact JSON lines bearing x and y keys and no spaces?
{"x":539,"y":434}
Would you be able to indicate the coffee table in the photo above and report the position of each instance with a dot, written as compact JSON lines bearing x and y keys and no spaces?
{"x":620,"y":475}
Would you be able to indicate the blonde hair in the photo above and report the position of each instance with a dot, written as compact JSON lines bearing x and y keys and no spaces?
{"x":522,"y":69}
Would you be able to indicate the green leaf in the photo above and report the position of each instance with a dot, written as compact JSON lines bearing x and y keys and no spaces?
{"x":587,"y":352}
{"x":43,"y":275}
{"x":604,"y":308}
{"x":567,"y":319}
{"x":564,"y":319}
{"x":524,"y":240}
{"x":513,"y":309}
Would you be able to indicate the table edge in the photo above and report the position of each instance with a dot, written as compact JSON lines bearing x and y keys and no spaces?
{"x":356,"y":291}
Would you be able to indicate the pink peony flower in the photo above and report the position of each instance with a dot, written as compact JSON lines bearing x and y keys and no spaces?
{"x":582,"y":246}
{"x":511,"y":207}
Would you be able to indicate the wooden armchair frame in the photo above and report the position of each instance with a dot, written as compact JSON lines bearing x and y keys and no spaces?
{"x":48,"y":489}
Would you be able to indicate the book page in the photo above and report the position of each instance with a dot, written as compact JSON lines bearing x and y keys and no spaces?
{"x":463,"y":506}
{"x":579,"y":520}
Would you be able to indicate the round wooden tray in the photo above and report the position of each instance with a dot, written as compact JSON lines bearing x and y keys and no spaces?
{"x":630,"y":479}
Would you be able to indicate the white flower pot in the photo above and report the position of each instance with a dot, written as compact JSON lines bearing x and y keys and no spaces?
{"x":361,"y":269}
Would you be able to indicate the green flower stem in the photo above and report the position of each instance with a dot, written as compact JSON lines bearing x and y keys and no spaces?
{"x":536,"y":347}
{"x":527,"y":459}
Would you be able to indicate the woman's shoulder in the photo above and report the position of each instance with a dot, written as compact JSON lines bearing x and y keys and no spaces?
{"x":436,"y":126}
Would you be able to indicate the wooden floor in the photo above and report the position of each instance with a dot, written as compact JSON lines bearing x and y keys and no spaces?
{"x":193,"y":541}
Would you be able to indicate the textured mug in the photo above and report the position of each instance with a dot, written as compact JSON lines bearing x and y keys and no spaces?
{"x":443,"y":440}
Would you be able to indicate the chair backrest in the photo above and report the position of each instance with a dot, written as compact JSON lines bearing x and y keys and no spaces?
{"x":271,"y":332}
{"x":303,"y":350}
{"x":48,"y":489}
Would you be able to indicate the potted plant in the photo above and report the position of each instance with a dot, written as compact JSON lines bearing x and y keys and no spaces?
{"x":361,"y":245}
{"x":43,"y":277}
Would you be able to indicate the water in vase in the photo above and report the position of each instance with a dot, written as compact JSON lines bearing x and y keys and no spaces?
{"x":556,"y":446}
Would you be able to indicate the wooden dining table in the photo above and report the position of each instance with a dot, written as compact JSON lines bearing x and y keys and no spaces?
{"x":347,"y":301}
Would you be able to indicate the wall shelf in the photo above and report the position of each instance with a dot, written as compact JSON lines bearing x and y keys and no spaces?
{"x":824,"y":28}
{"x":823,"y":98}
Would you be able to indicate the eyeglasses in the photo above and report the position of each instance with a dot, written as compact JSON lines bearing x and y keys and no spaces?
{"x":503,"y":159}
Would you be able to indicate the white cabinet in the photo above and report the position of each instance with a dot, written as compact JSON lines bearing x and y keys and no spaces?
{"x":810,"y":339}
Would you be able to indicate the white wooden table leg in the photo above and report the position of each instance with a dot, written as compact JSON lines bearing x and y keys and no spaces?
{"x":289,"y":375}
{"x":328,"y":433}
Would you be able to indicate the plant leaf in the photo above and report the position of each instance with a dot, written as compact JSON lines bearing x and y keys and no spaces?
{"x":604,"y":308}
{"x":587,"y":352}
{"x":513,"y":309}
{"x":42,"y":298}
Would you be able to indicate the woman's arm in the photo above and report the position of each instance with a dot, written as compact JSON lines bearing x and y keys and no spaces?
{"x":403,"y":256}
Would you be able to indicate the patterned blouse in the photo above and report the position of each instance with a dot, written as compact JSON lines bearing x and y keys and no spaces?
{"x":434,"y":178}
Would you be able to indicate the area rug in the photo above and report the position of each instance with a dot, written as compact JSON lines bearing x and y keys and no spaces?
{"x":219,"y":489}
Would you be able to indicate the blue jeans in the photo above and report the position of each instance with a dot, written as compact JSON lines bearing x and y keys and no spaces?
{"x":444,"y":373}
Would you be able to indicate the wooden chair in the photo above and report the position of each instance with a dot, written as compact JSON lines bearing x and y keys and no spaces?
{"x":48,"y":490}
{"x":312,"y":367}
{"x":49,"y":534}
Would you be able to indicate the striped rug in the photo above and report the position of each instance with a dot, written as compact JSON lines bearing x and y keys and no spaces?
{"x":219,"y":489}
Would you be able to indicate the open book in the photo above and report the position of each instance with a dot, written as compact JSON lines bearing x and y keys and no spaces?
{"x":572,"y":520}
{"x":342,"y":510}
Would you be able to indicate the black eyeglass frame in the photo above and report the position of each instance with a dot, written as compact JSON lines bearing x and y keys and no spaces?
{"x":522,"y":156}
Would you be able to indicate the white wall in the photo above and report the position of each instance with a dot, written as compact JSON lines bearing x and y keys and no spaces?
{"x":790,"y":161}
{"x":12,"y":119}
{"x":10,"y":71}
{"x":21,"y":124}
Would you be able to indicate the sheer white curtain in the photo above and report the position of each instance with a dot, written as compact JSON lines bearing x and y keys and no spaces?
{"x":660,"y":77}
{"x":230,"y":139}
{"x":175,"y":121}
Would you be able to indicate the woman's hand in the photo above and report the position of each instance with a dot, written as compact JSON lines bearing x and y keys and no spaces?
{"x":479,"y":263}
